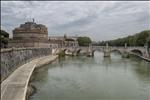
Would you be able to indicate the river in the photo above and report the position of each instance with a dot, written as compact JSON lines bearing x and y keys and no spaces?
{"x":97,"y":78}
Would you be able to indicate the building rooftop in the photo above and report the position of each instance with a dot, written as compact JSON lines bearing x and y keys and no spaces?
{"x":31,"y":27}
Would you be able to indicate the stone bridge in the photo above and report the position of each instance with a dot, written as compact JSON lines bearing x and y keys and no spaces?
{"x":140,"y":51}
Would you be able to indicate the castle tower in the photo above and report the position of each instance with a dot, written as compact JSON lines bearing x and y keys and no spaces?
{"x":29,"y":34}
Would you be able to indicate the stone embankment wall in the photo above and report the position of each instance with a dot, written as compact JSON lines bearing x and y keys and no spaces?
{"x":14,"y":57}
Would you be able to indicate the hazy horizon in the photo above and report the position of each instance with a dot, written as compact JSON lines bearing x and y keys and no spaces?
{"x":100,"y":20}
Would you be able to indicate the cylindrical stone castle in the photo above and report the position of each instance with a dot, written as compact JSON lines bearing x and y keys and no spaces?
{"x":30,"y":34}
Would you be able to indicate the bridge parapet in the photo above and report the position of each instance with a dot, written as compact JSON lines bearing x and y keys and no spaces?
{"x":121,"y":49}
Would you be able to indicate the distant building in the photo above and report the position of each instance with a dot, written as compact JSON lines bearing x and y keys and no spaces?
{"x":71,"y":41}
{"x":30,"y":34}
{"x":56,"y":41}
{"x":63,"y":41}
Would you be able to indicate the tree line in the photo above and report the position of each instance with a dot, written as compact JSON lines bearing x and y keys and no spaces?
{"x":139,"y":39}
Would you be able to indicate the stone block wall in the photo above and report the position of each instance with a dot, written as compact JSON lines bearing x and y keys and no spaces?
{"x":15,"y":57}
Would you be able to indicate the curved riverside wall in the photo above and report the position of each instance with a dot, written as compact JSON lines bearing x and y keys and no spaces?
{"x":14,"y":57}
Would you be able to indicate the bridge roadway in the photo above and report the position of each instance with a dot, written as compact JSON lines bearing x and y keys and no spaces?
{"x":15,"y":86}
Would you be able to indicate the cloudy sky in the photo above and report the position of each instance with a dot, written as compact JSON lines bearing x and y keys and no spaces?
{"x":101,"y":20}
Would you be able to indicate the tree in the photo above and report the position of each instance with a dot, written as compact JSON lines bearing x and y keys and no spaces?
{"x":139,"y":39}
{"x":4,"y":39}
{"x":148,"y":42}
{"x":65,"y":36}
{"x":84,"y":41}
{"x":142,"y":38}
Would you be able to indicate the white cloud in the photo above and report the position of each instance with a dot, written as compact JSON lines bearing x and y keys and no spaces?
{"x":99,"y":19}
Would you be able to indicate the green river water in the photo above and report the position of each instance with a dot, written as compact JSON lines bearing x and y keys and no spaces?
{"x":97,"y":78}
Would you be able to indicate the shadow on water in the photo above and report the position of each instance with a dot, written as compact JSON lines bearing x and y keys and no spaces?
{"x":142,"y":67}
{"x":142,"y":70}
{"x":107,"y":61}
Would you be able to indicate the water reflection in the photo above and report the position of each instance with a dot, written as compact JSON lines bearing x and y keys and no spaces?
{"x":98,"y":78}
{"x":106,"y":61}
{"x":143,"y":72}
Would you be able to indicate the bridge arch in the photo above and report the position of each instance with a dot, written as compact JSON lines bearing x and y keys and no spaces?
{"x":97,"y":49}
{"x":116,"y":50}
{"x":55,"y":50}
{"x":64,"y":49}
{"x":81,"y":51}
{"x":101,"y":50}
{"x":78,"y":51}
{"x":137,"y":51}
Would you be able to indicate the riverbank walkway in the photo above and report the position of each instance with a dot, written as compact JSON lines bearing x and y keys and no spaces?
{"x":15,"y":86}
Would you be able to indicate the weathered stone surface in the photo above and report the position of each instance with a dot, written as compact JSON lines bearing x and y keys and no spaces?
{"x":12,"y":58}
{"x":29,"y":34}
{"x":16,"y":85}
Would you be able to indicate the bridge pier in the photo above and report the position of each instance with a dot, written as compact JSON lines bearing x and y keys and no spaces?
{"x":146,"y":51}
{"x":125,"y":53}
{"x":89,"y":52}
{"x":74,"y":53}
{"x":107,"y":51}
